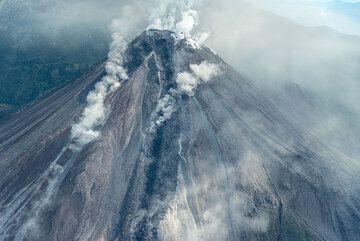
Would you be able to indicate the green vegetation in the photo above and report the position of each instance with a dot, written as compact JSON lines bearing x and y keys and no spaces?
{"x":31,"y":65}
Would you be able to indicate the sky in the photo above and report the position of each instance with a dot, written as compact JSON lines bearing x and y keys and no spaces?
{"x":343,"y":16}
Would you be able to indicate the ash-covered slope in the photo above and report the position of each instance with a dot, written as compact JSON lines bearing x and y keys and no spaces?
{"x":177,"y":159}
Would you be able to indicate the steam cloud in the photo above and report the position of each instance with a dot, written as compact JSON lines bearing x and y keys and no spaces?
{"x":163,"y":111}
{"x":187,"y":82}
{"x":94,"y":115}
{"x":189,"y":20}
{"x":204,"y":71}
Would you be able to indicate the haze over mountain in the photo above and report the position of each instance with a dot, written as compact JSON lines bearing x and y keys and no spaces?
{"x":164,"y":140}
{"x":340,"y":15}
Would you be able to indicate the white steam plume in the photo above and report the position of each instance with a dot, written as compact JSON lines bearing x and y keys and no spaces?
{"x":188,"y":22}
{"x":186,"y":82}
{"x":164,"y":18}
{"x":184,"y":28}
{"x":163,"y":111}
{"x":204,"y":71}
{"x":94,"y":115}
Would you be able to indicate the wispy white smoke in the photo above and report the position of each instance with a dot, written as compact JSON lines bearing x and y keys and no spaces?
{"x":186,"y":82}
{"x":162,"y":17}
{"x":32,"y":224}
{"x":212,"y":216}
{"x":204,"y":71}
{"x":165,"y":18}
{"x":163,"y":111}
{"x":188,"y":22}
{"x":185,"y":26}
{"x":94,"y":115}
{"x":202,"y":37}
